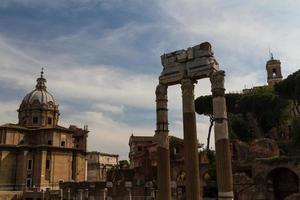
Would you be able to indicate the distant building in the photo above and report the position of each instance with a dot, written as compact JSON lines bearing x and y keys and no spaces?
{"x":143,"y":160}
{"x":99,"y":164}
{"x":37,"y":153}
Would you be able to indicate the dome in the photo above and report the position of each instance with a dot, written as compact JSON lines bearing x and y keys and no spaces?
{"x":40,"y":93}
{"x":38,"y":108}
{"x":42,"y":96}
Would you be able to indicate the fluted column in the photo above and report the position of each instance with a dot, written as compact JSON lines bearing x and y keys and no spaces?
{"x":223,"y":157}
{"x":191,"y":160}
{"x":162,"y":139}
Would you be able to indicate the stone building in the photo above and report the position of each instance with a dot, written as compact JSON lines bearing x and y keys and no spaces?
{"x":99,"y":164}
{"x":143,"y":161}
{"x":37,"y":153}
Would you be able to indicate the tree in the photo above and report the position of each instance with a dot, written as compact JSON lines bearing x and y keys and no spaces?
{"x":295,"y":131}
{"x":204,"y":106}
{"x":269,"y":109}
{"x":289,"y":88}
{"x":123,"y":164}
{"x":265,"y":107}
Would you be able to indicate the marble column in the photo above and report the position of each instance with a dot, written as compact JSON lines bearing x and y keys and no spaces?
{"x":162,"y":139}
{"x":191,"y":157}
{"x":223,"y":157}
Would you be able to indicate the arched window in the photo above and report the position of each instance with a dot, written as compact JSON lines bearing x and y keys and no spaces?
{"x":274,"y":72}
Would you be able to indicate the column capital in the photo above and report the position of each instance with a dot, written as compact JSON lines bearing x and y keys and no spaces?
{"x":187,"y":86}
{"x":161,"y":91}
{"x":217,"y":83}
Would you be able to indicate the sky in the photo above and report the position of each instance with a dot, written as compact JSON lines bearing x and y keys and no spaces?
{"x":102,"y":57}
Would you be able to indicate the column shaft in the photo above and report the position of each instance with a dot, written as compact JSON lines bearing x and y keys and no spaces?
{"x":223,"y":155}
{"x":191,"y":157}
{"x":162,"y":139}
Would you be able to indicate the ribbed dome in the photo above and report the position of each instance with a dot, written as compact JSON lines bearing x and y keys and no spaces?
{"x":42,"y":96}
{"x":38,"y":108}
{"x":40,"y":93}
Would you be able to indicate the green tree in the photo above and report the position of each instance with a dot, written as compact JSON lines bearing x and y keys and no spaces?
{"x":289,"y":88}
{"x":295,"y":131}
{"x":124,"y":164}
{"x":269,"y":109}
{"x":204,"y":106}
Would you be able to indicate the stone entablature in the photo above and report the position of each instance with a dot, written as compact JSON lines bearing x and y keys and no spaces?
{"x":195,"y":62}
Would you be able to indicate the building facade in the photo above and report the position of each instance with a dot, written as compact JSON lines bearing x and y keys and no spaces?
{"x":99,"y":164}
{"x":37,"y":152}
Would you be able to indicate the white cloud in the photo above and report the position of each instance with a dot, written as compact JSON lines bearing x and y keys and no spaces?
{"x":8,"y":112}
{"x":239,"y":32}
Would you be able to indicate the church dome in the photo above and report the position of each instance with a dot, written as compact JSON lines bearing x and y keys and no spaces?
{"x":39,"y":94}
{"x":38,"y":108}
{"x":42,"y":96}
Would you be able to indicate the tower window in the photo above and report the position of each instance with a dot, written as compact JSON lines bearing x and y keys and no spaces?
{"x":35,"y":120}
{"x":47,"y":164}
{"x":63,"y":143}
{"x":29,"y":165}
{"x":49,"y":120}
{"x":274,"y":73}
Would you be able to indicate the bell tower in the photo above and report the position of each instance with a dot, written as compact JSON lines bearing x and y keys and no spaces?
{"x":274,"y":71}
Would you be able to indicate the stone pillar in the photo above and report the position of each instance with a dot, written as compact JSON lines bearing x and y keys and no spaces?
{"x":191,"y":160}
{"x":162,"y":139}
{"x":223,"y":157}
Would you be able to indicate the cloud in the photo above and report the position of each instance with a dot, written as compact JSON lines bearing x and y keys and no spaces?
{"x":8,"y":111}
{"x":102,"y":56}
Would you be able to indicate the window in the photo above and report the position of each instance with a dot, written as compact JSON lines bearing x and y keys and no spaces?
{"x":35,"y":120}
{"x":49,"y":142}
{"x":28,"y":182}
{"x":47,"y":164}
{"x":63,"y":143}
{"x":140,"y":148}
{"x":274,"y":73}
{"x":29,"y":165}
{"x":49,"y":120}
{"x":175,"y":150}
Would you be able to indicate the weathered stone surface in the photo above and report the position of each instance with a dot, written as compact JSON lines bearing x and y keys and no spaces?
{"x":264,"y":148}
{"x":195,"y":62}
{"x":243,"y":186}
{"x":162,"y":139}
{"x":293,"y":197}
{"x":239,"y":150}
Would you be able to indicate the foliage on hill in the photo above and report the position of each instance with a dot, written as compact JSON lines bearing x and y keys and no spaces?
{"x":266,"y":107}
{"x":269,"y":108}
{"x":289,"y":88}
{"x":296,"y":131}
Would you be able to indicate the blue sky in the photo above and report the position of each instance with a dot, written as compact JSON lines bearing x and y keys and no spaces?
{"x":102,"y":57}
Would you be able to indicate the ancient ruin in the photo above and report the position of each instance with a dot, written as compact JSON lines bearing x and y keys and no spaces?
{"x":185,"y":67}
